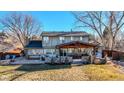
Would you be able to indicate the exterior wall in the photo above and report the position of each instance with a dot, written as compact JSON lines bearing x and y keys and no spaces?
{"x":51,"y":51}
{"x":41,"y":51}
{"x":85,"y":39}
{"x":52,"y":41}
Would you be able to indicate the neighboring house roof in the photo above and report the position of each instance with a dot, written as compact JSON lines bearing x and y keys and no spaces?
{"x":15,"y":51}
{"x":34,"y":44}
{"x":76,"y":44}
{"x":76,"y":33}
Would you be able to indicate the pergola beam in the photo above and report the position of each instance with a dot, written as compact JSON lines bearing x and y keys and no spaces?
{"x":76,"y":45}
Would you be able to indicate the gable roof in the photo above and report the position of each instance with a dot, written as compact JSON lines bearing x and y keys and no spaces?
{"x":34,"y":44}
{"x":76,"y":33}
{"x":76,"y":44}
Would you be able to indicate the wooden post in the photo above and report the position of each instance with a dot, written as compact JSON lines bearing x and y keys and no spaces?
{"x":60,"y":55}
{"x":67,"y":51}
{"x":59,"y":52}
{"x":62,"y":52}
{"x":94,"y":50}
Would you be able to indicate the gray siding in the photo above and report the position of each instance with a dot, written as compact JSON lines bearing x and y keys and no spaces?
{"x":53,"y":41}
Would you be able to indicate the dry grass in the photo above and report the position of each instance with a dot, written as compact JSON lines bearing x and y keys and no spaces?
{"x":103,"y":72}
{"x":6,"y":68}
{"x":51,"y":73}
{"x":8,"y":72}
{"x":62,"y":72}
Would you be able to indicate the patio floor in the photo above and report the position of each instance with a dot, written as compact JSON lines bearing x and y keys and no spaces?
{"x":22,"y":60}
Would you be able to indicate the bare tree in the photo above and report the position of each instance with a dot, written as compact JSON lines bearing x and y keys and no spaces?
{"x":109,"y":22}
{"x":4,"y":45}
{"x":120,"y":41}
{"x":21,"y":27}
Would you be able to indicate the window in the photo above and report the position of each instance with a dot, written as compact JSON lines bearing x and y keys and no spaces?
{"x":62,"y":39}
{"x":72,"y":38}
{"x":46,"y":39}
{"x":81,"y":38}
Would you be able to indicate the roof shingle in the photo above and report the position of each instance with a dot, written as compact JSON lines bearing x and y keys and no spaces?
{"x":76,"y":33}
{"x":34,"y":44}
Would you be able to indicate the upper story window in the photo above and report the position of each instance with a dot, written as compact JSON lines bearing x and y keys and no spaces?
{"x":72,"y":38}
{"x":46,"y":39}
{"x":81,"y":38}
{"x":62,"y":39}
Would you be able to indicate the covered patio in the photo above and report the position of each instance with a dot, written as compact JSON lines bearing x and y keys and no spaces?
{"x":76,"y":49}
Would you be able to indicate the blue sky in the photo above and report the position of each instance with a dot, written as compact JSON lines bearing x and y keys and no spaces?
{"x":51,"y":20}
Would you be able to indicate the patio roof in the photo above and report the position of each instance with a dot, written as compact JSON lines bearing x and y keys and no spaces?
{"x":77,"y":44}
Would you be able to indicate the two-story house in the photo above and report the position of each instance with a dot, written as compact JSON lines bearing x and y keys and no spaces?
{"x":73,"y":42}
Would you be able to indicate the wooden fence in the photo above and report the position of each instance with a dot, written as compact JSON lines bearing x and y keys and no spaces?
{"x":116,"y":55}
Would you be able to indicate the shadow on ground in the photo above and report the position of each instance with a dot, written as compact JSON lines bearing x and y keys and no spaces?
{"x":36,"y":67}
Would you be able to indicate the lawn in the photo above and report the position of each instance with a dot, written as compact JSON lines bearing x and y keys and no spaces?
{"x":61,"y":72}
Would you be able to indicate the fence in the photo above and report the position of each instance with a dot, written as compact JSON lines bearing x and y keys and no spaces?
{"x":116,"y":55}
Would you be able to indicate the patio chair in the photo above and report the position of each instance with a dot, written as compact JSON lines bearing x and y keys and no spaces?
{"x":85,"y":59}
